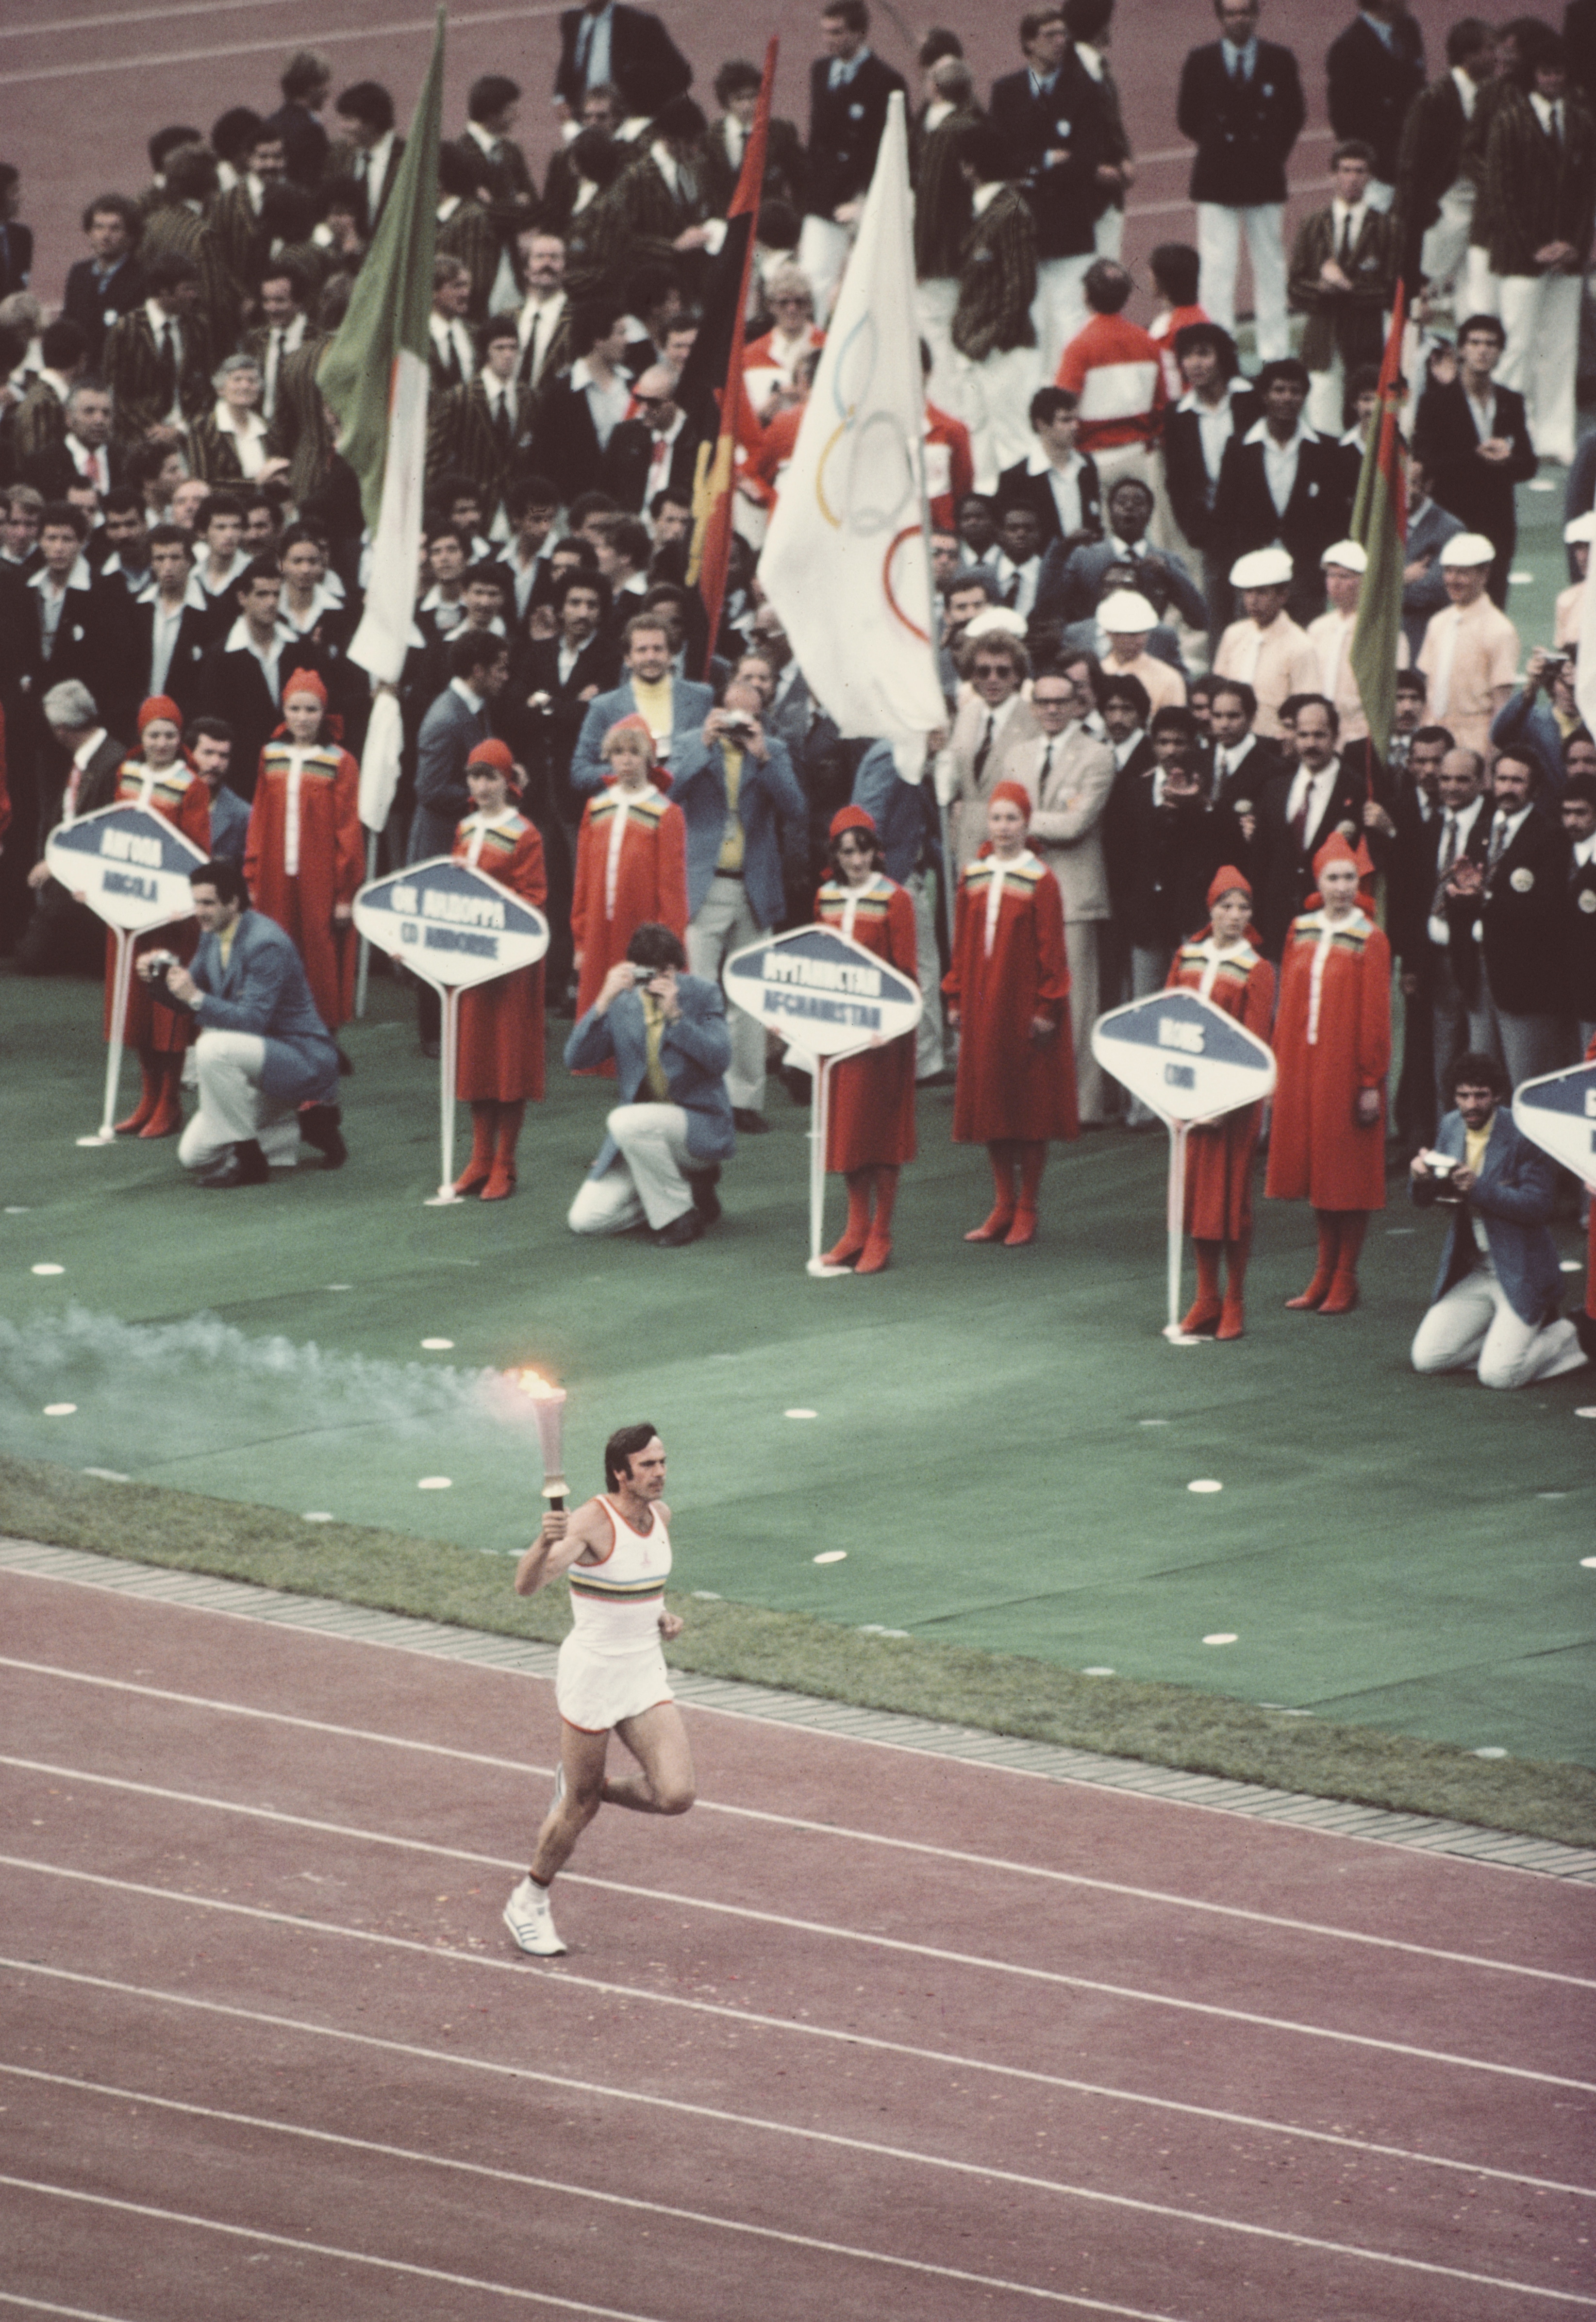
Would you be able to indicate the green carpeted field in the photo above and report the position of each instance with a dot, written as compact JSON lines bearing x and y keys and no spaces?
{"x":999,"y":1442}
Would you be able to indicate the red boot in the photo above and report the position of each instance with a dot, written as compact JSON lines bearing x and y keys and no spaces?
{"x":166,"y":1118}
{"x":148,"y":1088}
{"x":1208,"y":1305}
{"x":878,"y":1249}
{"x":1232,"y":1318}
{"x":1324,"y":1272}
{"x":1003,"y":1154}
{"x":479,"y":1167}
{"x":1032,"y":1160}
{"x":856,"y":1232}
{"x":1343,"y":1293}
{"x":501,"y":1184}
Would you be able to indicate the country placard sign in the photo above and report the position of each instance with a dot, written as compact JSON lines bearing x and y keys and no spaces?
{"x":822,"y":991}
{"x":1559,"y":1113}
{"x":1184,"y":1056}
{"x":453,"y":926}
{"x":129,"y":864}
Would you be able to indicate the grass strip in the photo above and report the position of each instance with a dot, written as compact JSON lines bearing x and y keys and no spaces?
{"x":999,"y":1693}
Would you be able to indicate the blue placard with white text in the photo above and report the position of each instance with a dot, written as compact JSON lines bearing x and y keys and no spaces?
{"x":453,"y":926}
{"x":822,"y":991}
{"x":1184,"y":1056}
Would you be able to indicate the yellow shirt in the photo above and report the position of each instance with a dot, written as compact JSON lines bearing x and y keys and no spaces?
{"x":1474,"y":1141}
{"x":224,"y":943}
{"x":654,"y":1018}
{"x":654,"y":702}
{"x":730,"y":857}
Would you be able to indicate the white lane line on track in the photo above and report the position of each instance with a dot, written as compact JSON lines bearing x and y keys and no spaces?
{"x":412,"y":25}
{"x":805,"y":1926}
{"x":323,"y":2249}
{"x":576,"y":2192}
{"x":48,"y":2305}
{"x":48,"y":27}
{"x":524,"y":1768}
{"x":566,"y":1979}
{"x":1092,"y":2195}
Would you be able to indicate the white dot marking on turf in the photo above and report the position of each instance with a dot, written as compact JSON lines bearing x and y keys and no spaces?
{"x":108,"y":1475}
{"x":1222,"y":1637}
{"x":50,"y":1269}
{"x":1540,"y":484}
{"x":1491,"y":1753}
{"x":1204,"y":1484}
{"x":831,"y":1556}
{"x":800,"y":1413}
{"x":1588,"y":1563}
{"x":707,"y":1595}
{"x":16,"y":1208}
{"x":318,"y":1515}
{"x":1585,"y":1411}
{"x":1153,"y":1422}
{"x":437,"y":1346}
{"x":1521,"y":580}
{"x":1097,"y":1672}
{"x":340,"y":1285}
{"x":434,"y":1484}
{"x":60,"y":1409}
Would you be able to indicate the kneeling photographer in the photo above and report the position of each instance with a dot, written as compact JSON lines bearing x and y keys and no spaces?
{"x":267,"y":1064}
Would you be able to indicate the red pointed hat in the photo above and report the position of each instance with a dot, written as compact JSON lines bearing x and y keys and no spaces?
{"x":1228,"y":881}
{"x":496,"y":755}
{"x":1013,"y":794}
{"x":1333,"y":850}
{"x":851,"y":817}
{"x":632,"y":723}
{"x":305,"y":681}
{"x":161,"y":705}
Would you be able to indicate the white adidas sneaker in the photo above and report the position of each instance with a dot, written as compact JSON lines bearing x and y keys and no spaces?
{"x":530,"y":1920}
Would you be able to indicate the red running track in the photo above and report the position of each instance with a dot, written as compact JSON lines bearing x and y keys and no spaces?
{"x":867,"y":2034}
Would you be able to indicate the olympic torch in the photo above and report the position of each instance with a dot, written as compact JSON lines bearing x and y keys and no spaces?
{"x":548,"y":1409}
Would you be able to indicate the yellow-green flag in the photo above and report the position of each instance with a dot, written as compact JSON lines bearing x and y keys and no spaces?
{"x":1380,"y":525}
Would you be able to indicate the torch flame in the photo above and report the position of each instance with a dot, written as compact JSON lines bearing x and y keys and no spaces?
{"x":533,"y":1384}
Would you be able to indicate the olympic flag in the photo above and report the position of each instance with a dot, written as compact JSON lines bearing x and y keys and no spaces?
{"x":847,"y":562}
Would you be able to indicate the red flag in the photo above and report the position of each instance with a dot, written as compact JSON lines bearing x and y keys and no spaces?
{"x":1380,"y":523}
{"x":715,"y":370}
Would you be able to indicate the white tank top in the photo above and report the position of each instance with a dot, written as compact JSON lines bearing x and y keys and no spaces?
{"x":617,"y":1605}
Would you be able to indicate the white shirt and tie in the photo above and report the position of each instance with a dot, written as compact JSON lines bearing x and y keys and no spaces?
{"x":536,"y":328}
{"x":452,"y":342}
{"x":92,"y":462}
{"x":1280,"y":460}
{"x":1457,"y":823}
{"x":1309,"y":798}
{"x":593,"y":42}
{"x":371,"y":168}
{"x":281,"y":339}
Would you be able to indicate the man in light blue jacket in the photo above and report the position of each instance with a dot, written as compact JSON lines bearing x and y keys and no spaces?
{"x":673,"y":708}
{"x":1499,"y":1287}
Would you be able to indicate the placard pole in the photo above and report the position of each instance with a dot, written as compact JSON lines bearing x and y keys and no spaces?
{"x":1179,"y":1132}
{"x":448,"y":1048}
{"x":121,"y":984}
{"x":363,"y":958}
{"x":819,"y":1107}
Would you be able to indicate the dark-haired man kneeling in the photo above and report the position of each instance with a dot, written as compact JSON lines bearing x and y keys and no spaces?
{"x":267,"y":1064}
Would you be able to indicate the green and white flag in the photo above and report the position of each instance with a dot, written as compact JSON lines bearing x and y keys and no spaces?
{"x":374,"y":377}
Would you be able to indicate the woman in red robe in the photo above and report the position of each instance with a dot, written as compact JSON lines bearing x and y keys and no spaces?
{"x":1332,"y":1045}
{"x":632,"y":862}
{"x":501,"y":1024}
{"x":163,"y":780}
{"x":1224,"y":964}
{"x":1008,"y":988}
{"x":305,"y":856}
{"x":870,"y":1131}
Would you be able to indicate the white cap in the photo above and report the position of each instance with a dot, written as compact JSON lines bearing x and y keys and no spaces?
{"x":1468,"y":548}
{"x":997,"y":621}
{"x":1584,"y":527}
{"x":1348,"y":554}
{"x":1125,"y":612}
{"x":1263,"y":568}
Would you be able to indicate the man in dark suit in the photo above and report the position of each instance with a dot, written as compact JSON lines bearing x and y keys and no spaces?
{"x":720,"y":155}
{"x":158,"y":359}
{"x":1241,"y":105}
{"x":1494,"y":1307}
{"x":1343,"y":271}
{"x":553,"y":680}
{"x":1514,"y":895}
{"x":267,"y":1064}
{"x":581,"y":410}
{"x":605,"y":44}
{"x":503,"y":182}
{"x":1281,"y":483}
{"x":306,"y":82}
{"x":1050,"y":117}
{"x":283,"y":329}
{"x":1374,"y":71}
{"x":1326,"y":792}
{"x":370,"y":149}
{"x":1058,"y":483}
{"x":241,"y":678}
{"x":77,"y":773}
{"x":172,"y":625}
{"x":85,"y":454}
{"x":81,"y":625}
{"x":1435,"y":204}
{"x":484,"y":431}
{"x":1072,"y":584}
{"x":666,"y":1033}
{"x":108,"y":283}
{"x":16,"y":240}
{"x":1241,"y":764}
{"x":1473,"y":439}
{"x":653,"y":453}
{"x":849,"y":87}
{"x":479,"y":671}
{"x":942,"y":200}
{"x":1424,"y":583}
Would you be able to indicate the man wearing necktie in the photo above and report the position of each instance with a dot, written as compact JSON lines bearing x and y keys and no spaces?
{"x":604,"y":44}
{"x":1344,"y":266}
{"x":451,"y":355}
{"x":1514,"y":897}
{"x":1241,"y":105}
{"x":482,"y":431}
{"x":1070,"y":775}
{"x":848,"y":88}
{"x":1540,"y":198}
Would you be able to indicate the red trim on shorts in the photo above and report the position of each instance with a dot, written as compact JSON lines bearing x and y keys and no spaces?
{"x":575,"y":1727}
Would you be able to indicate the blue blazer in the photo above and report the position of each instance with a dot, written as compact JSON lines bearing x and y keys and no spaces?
{"x":230,"y":826}
{"x":263,"y":990}
{"x":1524,"y":721}
{"x":904,"y":813}
{"x":690,"y":704}
{"x":1513,"y":1199}
{"x":768,"y":799}
{"x":695,"y":1052}
{"x":449,"y":732}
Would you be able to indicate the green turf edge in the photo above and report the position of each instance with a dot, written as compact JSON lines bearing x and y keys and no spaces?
{"x":998,"y":1693}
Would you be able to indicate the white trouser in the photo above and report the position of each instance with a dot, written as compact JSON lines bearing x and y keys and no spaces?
{"x":821,"y":254}
{"x":935,"y":299}
{"x":995,"y":404}
{"x":1526,"y":1046}
{"x":1474,"y":1324}
{"x":1149,"y":972}
{"x":724,"y":924}
{"x":1219,"y":230}
{"x":1541,"y":315}
{"x":929,"y":1050}
{"x":1327,"y":392}
{"x":1444,"y":254}
{"x":647,"y":1181}
{"x":1109,"y":232}
{"x":232,"y":1109}
{"x":1080,"y":948}
{"x":1483,"y":291}
{"x":1058,"y":310}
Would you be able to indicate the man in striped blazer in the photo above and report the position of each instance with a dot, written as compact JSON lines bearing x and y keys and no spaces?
{"x":158,"y":359}
{"x":1540,"y":198}
{"x":993,"y":329}
{"x":484,"y":431}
